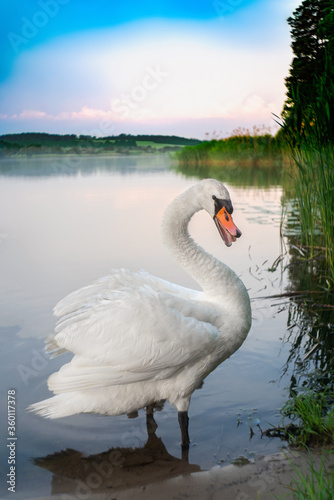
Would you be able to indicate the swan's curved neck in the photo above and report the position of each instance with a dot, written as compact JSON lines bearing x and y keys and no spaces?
{"x":214,"y":277}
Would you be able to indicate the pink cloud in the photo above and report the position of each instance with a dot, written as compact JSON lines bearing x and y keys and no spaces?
{"x":32,"y":113}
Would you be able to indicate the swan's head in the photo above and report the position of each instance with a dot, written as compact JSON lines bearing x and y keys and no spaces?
{"x":216,"y":200}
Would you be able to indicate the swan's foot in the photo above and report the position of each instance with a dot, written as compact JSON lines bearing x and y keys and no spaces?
{"x":184,"y":423}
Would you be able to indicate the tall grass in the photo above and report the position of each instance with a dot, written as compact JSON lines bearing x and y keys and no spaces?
{"x":243,"y":148}
{"x":310,"y":415}
{"x":313,"y":175}
{"x":318,"y":484}
{"x":312,"y":150}
{"x":313,"y":411}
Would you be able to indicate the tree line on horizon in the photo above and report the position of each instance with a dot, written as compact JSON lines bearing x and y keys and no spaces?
{"x":45,"y":140}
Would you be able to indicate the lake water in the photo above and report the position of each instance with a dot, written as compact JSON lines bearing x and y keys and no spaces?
{"x":65,"y":222}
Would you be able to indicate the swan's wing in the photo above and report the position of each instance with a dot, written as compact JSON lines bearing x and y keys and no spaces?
{"x":118,"y":280}
{"x":131,"y":334}
{"x":90,"y":296}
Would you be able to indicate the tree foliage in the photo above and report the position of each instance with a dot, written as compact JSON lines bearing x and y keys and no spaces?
{"x":309,"y":108}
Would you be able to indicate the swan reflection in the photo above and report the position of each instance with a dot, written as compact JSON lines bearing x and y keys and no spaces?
{"x":116,"y":468}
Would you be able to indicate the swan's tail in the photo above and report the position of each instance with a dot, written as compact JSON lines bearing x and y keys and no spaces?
{"x":58,"y":406}
{"x":51,"y":347}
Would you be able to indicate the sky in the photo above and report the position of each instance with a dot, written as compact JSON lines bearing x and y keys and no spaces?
{"x":197,"y":68}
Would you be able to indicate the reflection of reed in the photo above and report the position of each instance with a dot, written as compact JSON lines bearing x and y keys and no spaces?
{"x":310,"y":320}
{"x":115,"y":469}
{"x":310,"y":333}
{"x":234,"y":173}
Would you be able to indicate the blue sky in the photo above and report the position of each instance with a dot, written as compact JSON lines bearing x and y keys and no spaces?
{"x":171,"y":67}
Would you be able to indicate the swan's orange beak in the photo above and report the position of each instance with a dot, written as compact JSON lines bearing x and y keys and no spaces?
{"x":226,"y":227}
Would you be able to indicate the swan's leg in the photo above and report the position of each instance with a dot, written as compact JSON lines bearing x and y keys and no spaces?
{"x":184,"y":422}
{"x":149,"y":409}
{"x":185,"y":454}
{"x":151,"y":424}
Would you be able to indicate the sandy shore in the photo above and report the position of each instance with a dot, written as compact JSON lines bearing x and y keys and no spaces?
{"x":165,"y":479}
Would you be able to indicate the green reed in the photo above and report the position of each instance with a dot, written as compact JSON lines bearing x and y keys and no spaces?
{"x":314,"y":413}
{"x":244,"y":148}
{"x":313,"y":183}
{"x":315,"y":484}
{"x":310,"y":135}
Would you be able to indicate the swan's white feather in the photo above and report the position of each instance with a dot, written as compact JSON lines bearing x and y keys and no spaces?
{"x":133,"y":326}
{"x":129,"y":335}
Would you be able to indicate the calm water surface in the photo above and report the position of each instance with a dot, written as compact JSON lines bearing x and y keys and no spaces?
{"x":67,"y":222}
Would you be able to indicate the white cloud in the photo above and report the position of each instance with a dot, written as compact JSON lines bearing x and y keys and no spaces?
{"x":33,"y":113}
{"x":252,"y":105}
{"x":85,"y":113}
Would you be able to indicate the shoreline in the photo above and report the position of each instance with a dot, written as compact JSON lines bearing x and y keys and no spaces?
{"x":264,"y":478}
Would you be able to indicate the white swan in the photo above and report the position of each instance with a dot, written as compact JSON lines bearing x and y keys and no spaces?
{"x":138,"y":339}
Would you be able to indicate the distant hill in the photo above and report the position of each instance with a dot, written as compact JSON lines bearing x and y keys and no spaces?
{"x":35,"y":142}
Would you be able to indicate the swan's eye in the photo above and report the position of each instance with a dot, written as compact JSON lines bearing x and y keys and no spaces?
{"x":214,"y":197}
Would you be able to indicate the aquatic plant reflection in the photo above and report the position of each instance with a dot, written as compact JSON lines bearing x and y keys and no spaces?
{"x":310,"y":328}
